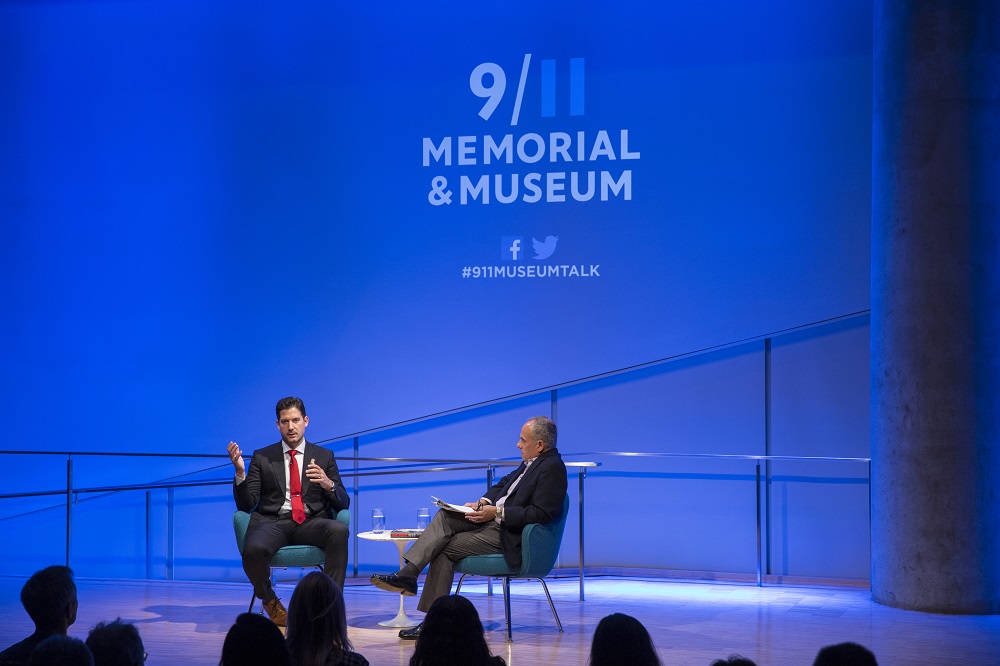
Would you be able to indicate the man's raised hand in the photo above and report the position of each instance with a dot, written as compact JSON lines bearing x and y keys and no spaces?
{"x":236,"y":457}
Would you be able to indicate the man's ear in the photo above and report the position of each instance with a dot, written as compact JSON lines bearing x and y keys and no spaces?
{"x":71,"y":608}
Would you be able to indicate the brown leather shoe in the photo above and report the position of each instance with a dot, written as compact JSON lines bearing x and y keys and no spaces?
{"x":276,"y":611}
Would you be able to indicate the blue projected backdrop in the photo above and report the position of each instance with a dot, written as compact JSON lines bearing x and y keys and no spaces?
{"x":211,"y":205}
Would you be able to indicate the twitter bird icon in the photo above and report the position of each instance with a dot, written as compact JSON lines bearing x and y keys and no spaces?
{"x":544,"y":250}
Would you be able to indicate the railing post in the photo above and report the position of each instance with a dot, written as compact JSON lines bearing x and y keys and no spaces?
{"x":69,"y":505}
{"x":489,"y":484}
{"x":149,"y":520}
{"x":757,"y":486}
{"x":869,"y":513}
{"x":583,"y":475}
{"x":357,"y":513}
{"x":170,"y":533}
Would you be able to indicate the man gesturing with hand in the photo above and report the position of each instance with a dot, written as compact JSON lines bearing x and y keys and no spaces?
{"x":293,"y":491}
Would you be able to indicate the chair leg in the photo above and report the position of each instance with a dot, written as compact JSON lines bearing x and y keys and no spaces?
{"x":459,"y":587}
{"x":551,"y":605}
{"x":506,"y":606}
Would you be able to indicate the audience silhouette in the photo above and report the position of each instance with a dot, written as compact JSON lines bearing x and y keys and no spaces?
{"x":61,"y":650}
{"x":845,"y":654}
{"x":621,"y":639}
{"x":254,"y":640}
{"x":316,"y":632}
{"x":734,"y":660}
{"x":453,"y":634}
{"x":49,"y":597}
{"x":116,"y":644}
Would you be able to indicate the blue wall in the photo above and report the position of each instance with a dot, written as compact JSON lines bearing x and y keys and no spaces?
{"x":210,"y":205}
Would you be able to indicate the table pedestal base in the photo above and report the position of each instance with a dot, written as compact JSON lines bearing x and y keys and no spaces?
{"x":401,"y":620}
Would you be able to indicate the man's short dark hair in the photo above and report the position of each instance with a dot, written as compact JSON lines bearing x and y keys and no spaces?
{"x":289,"y":403}
{"x":544,"y":428}
{"x":47,"y":594}
{"x":116,"y":644}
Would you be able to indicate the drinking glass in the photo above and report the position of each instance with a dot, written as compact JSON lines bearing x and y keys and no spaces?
{"x":378,"y":521}
{"x":423,"y":518}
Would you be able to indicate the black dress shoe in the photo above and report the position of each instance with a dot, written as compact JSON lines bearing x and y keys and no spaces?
{"x":402,"y":584}
{"x":410,"y":633}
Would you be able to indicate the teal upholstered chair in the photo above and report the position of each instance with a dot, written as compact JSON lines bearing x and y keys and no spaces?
{"x":539,"y":549}
{"x":289,"y":556}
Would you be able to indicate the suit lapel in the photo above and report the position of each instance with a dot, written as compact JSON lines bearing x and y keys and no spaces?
{"x":528,"y":474}
{"x":307,"y":454}
{"x":278,"y":467}
{"x":513,"y":478}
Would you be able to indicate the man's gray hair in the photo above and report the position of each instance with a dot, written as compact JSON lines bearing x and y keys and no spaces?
{"x":544,"y":428}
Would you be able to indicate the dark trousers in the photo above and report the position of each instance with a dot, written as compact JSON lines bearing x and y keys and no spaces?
{"x":449,"y":538}
{"x":269,"y":533}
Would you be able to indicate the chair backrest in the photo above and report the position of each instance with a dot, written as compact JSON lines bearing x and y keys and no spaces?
{"x":540,"y":545}
{"x":241,"y":521}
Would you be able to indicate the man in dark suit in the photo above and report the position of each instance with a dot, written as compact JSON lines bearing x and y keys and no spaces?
{"x":533,"y":493}
{"x":294,"y":490}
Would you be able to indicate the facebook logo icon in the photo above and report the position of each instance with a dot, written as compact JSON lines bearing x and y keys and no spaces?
{"x":512,"y":248}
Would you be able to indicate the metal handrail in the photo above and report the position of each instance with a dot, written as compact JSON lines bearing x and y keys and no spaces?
{"x":468,"y":464}
{"x":489,"y":464}
{"x":417,"y":466}
{"x":603,"y":375}
{"x":531,"y":392}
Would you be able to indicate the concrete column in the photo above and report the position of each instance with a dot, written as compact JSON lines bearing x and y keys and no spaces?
{"x":936,"y":305}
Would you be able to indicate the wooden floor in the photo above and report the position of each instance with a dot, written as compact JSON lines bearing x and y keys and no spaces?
{"x":691,"y":622}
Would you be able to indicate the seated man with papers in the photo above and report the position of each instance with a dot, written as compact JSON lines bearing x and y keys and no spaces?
{"x":532,"y":493}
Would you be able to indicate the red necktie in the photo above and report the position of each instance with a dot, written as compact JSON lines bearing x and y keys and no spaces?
{"x":298,"y":511}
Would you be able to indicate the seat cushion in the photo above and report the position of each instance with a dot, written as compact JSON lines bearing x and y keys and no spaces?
{"x":298,"y":556}
{"x":485,"y":565}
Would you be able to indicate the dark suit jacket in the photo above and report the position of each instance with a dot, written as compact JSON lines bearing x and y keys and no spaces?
{"x":263,"y":490}
{"x":537,"y":499}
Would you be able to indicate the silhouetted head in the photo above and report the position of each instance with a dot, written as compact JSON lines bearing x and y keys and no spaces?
{"x":845,"y":654}
{"x":254,"y":641}
{"x":734,"y":660}
{"x":116,"y":644}
{"x":62,"y":650}
{"x":621,"y":639}
{"x":317,"y":621}
{"x":452,"y":634}
{"x":49,"y":597}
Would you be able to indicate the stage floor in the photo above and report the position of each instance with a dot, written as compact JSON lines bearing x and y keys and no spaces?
{"x":691,"y":622}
